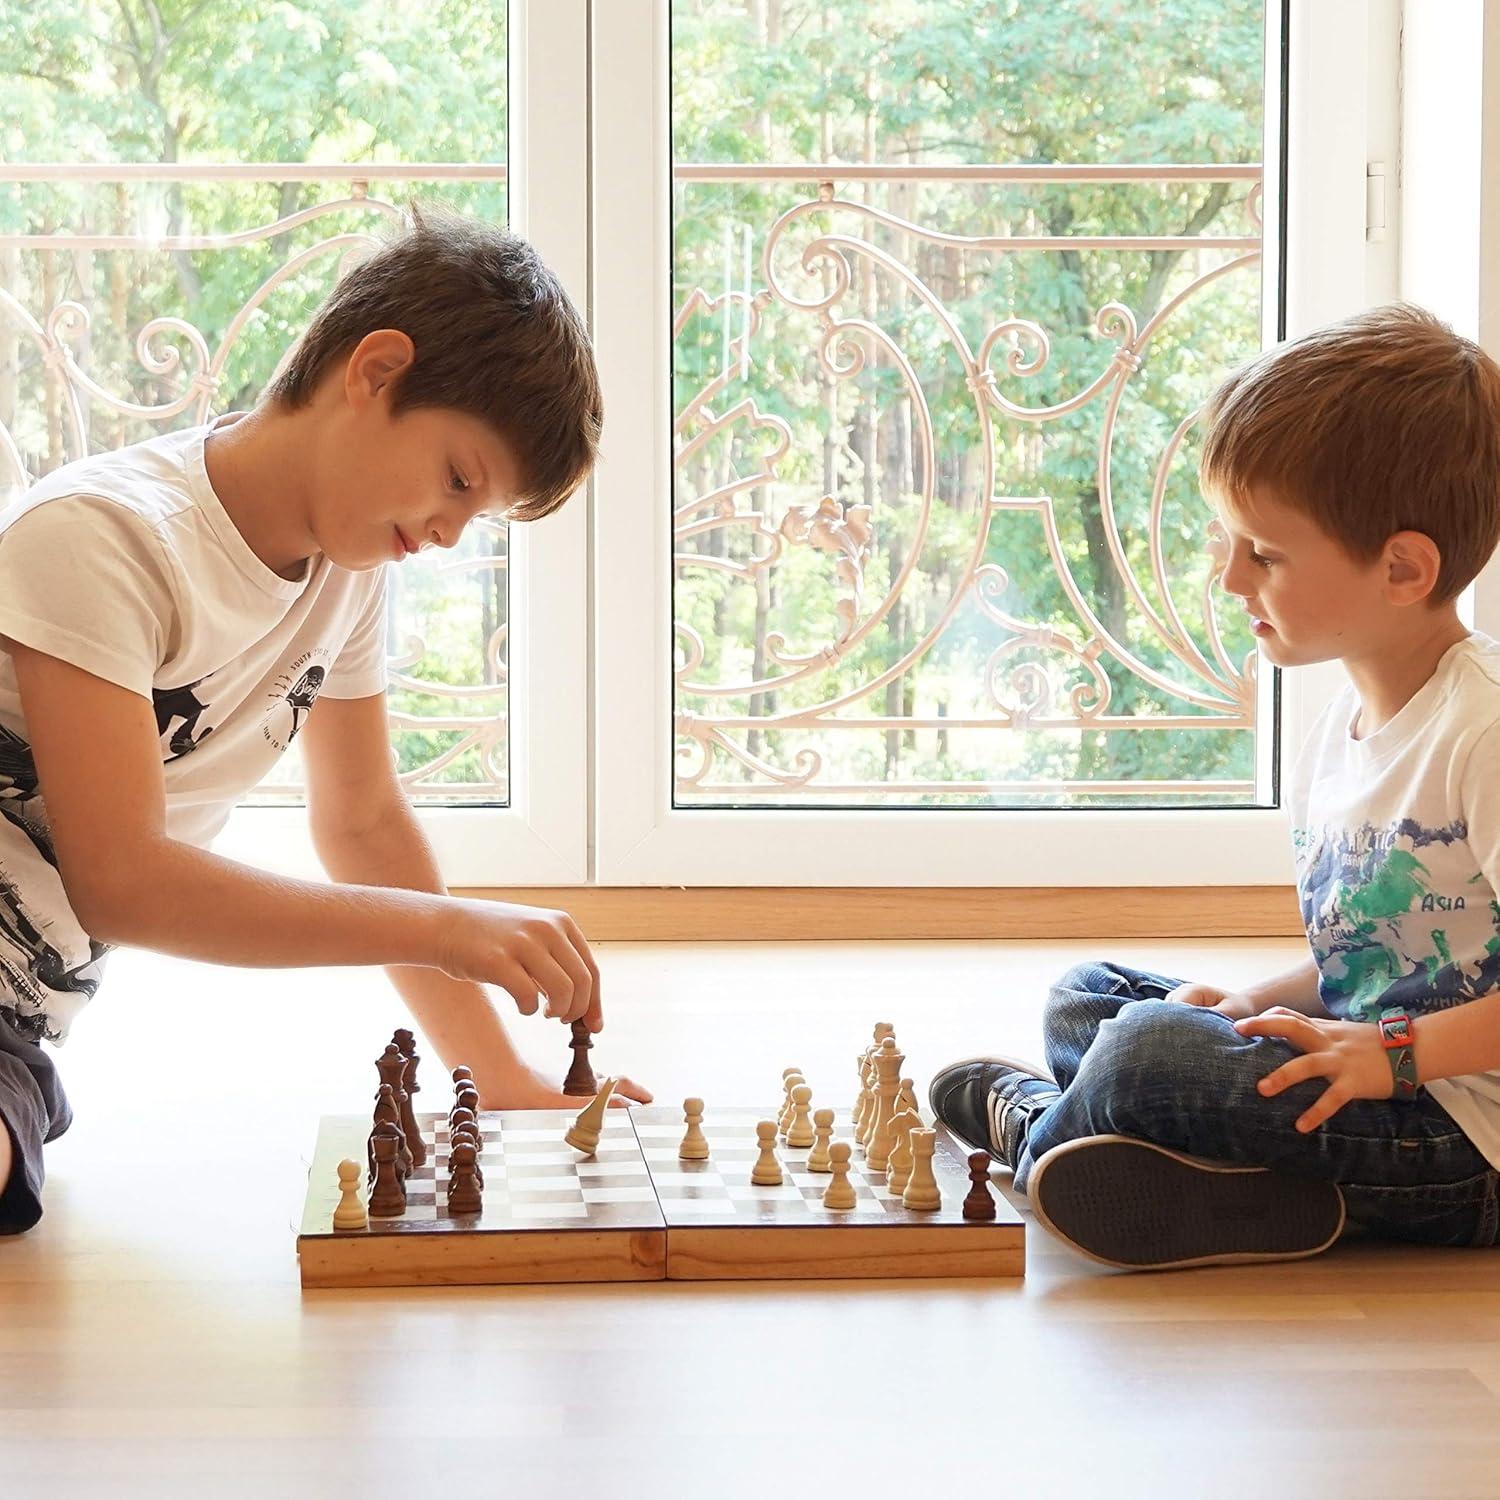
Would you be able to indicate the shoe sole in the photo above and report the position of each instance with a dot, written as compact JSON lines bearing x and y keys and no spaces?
{"x":1138,"y":1206}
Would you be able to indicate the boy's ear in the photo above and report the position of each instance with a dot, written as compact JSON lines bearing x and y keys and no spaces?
{"x":378,"y":359}
{"x":1412,"y":564}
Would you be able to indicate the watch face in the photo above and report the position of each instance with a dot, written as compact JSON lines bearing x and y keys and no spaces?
{"x":1397,"y":1031}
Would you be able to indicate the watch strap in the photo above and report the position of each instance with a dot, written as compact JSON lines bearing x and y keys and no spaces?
{"x":1396,"y":1038}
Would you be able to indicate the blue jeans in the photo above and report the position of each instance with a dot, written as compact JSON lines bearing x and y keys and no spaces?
{"x":1130,"y":1063}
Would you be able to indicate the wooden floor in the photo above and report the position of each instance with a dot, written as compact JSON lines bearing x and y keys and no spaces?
{"x":154,"y":1341}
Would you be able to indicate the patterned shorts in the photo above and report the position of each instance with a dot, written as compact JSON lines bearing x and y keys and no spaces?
{"x":33,"y":1109}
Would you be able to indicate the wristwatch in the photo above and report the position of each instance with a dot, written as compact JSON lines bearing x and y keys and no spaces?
{"x":1395,"y":1037}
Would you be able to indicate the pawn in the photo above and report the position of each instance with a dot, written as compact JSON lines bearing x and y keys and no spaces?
{"x":789,"y":1082}
{"x":350,"y":1214}
{"x":461,"y":1076}
{"x":694,"y":1145}
{"x":388,"y":1199}
{"x":799,"y":1130}
{"x":463,"y":1181}
{"x":979,"y":1204}
{"x":462,"y":1115}
{"x":840,"y":1192}
{"x":767,"y":1170}
{"x":818,"y":1159}
{"x":467,"y":1098}
{"x":465,"y":1135}
{"x":922,"y":1191}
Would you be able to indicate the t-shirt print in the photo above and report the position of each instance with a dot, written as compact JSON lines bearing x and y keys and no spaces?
{"x":1374,"y":902}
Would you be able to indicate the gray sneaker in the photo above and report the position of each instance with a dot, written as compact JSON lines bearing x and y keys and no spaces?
{"x":1141,"y":1207}
{"x":989,"y":1102}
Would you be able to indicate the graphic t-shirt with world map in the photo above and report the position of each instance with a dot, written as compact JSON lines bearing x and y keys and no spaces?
{"x":1397,"y":839}
{"x":128,"y":566}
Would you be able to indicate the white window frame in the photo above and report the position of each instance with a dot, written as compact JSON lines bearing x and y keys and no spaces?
{"x":542,"y":836}
{"x":641,"y":838}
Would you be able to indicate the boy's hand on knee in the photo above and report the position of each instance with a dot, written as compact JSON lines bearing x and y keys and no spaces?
{"x":1210,"y":997}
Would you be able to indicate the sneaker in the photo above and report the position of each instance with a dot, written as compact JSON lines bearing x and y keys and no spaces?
{"x":989,"y":1101}
{"x":1140,"y":1207}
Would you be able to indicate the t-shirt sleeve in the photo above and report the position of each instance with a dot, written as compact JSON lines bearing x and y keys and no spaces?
{"x":1479,"y":794}
{"x":87,"y":581}
{"x":359,"y":670}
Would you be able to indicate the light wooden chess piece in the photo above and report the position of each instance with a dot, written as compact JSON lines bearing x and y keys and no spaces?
{"x":799,"y":1130}
{"x":818,"y":1159}
{"x":867,"y":1120}
{"x":907,"y":1099}
{"x":887,"y":1084}
{"x":921,"y":1189}
{"x":899,"y":1172}
{"x":694,"y":1145}
{"x":840,"y":1192}
{"x":767,"y":1169}
{"x":789,"y":1082}
{"x":350,"y":1214}
{"x":583,"y":1134}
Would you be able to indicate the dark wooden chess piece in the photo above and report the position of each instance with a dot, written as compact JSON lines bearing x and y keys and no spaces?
{"x":580,"y":1081}
{"x":464,"y":1195}
{"x":461,"y":1076}
{"x":409,"y":1126}
{"x":462,"y":1117}
{"x":469,"y":1135}
{"x":389,"y":1196}
{"x":979,"y":1204}
{"x":387,"y":1129}
{"x":468,"y":1097}
{"x":387,"y":1110}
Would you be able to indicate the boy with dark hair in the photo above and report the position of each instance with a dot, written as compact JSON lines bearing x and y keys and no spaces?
{"x":170,"y":614}
{"x":1356,"y":474}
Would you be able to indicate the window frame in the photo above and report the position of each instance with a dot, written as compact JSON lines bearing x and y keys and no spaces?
{"x":641,"y":839}
{"x":541,"y":836}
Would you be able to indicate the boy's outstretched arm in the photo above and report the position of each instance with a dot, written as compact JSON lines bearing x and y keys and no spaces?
{"x":366,"y":834}
{"x":98,"y":761}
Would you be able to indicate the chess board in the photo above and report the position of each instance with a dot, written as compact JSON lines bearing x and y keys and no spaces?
{"x":635,"y":1212}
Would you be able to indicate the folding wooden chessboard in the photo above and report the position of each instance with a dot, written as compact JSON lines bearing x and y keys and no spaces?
{"x":634,"y":1212}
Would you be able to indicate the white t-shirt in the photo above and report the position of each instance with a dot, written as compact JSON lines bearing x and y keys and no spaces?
{"x":1397,"y":838}
{"x":128,"y":566}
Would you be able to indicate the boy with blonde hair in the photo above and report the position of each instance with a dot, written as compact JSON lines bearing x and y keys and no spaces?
{"x":1356,"y":475}
{"x":173,"y":614}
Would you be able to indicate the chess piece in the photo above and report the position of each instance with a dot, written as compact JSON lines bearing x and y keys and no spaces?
{"x":350,"y":1213}
{"x":464,"y":1195}
{"x":979,"y":1204}
{"x":580,"y":1081}
{"x":818,"y":1159}
{"x":405,"y":1041}
{"x":921,"y":1188}
{"x":887,"y":1085}
{"x":467,"y":1098}
{"x":867,"y":1124}
{"x":387,"y":1110}
{"x":694,"y":1145}
{"x":390,"y":1065}
{"x":898,"y":1174}
{"x":789,"y":1081}
{"x":799,"y":1130}
{"x":767,"y":1169}
{"x":409,"y":1127}
{"x":865,"y":1097}
{"x":461,"y":1076}
{"x":386,"y":1128}
{"x":461,"y":1115}
{"x":465,"y":1137}
{"x":388,"y":1198}
{"x":906,"y":1098}
{"x":583,"y":1134}
{"x":840,"y":1192}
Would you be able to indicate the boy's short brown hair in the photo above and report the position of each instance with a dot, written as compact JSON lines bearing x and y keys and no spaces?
{"x":495,"y":336}
{"x":1384,"y":422}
